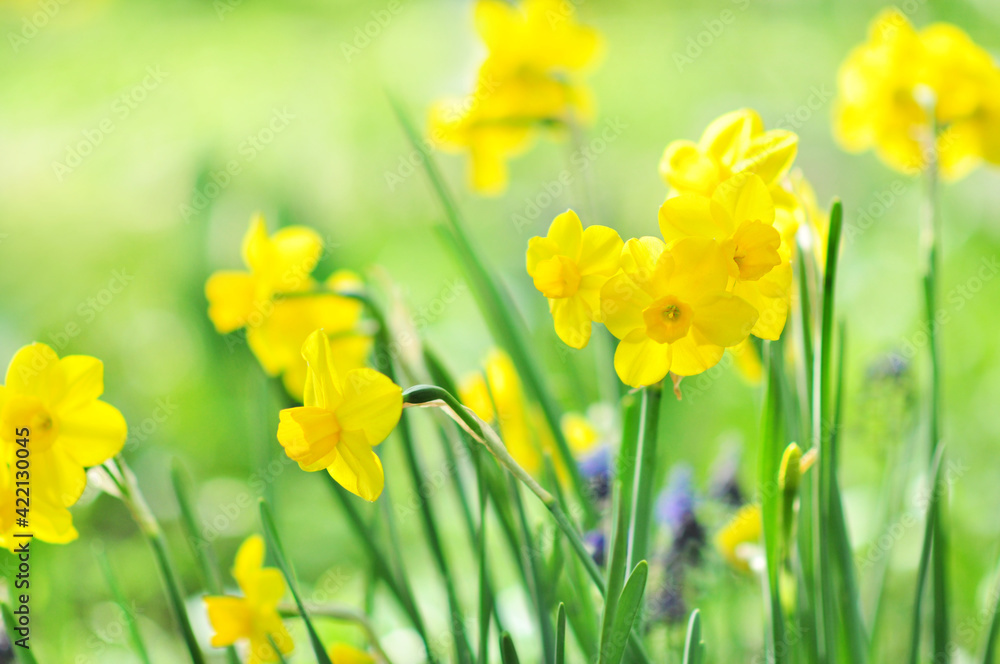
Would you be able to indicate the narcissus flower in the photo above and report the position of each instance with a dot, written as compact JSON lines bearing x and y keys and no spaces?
{"x":280,"y":263}
{"x":738,"y":541}
{"x":345,"y":415}
{"x":271,"y":300}
{"x":734,"y":143}
{"x":54,"y":404}
{"x":671,"y":310}
{"x":254,"y":616}
{"x":740,"y":216}
{"x":910,"y":94}
{"x":342,"y":653}
{"x":569,"y":266}
{"x":529,"y":81}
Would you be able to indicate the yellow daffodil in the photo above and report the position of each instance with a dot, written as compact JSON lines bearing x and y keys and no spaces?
{"x":909,"y":94}
{"x":569,"y":266}
{"x":54,"y":404}
{"x":740,"y":216}
{"x":271,"y":301}
{"x":738,"y":539}
{"x":671,"y":310}
{"x":342,"y":653}
{"x":817,"y":221}
{"x":254,"y":616}
{"x":277,"y":342}
{"x":496,"y":396}
{"x":734,"y":143}
{"x":345,"y":415}
{"x":528,"y":81}
{"x":280,"y":263}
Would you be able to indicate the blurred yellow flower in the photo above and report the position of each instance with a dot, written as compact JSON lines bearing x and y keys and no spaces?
{"x":499,"y":398}
{"x":581,"y":435}
{"x":280,"y":263}
{"x":52,"y":404}
{"x":528,"y":81}
{"x":748,"y":361}
{"x":277,"y":326}
{"x":734,"y":143}
{"x":253,"y":617}
{"x":569,"y":266}
{"x":738,"y":539}
{"x":910,"y":94}
{"x":344,"y":416}
{"x":740,"y":216}
{"x":671,"y":310}
{"x":342,"y":653}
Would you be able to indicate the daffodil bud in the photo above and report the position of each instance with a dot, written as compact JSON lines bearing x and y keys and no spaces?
{"x":790,"y":472}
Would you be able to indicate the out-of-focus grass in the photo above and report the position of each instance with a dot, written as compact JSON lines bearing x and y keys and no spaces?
{"x":187,"y":392}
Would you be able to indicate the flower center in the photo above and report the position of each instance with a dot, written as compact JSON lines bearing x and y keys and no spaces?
{"x":557,"y":277}
{"x":667,"y":320}
{"x":755,"y":249}
{"x":21,"y":411}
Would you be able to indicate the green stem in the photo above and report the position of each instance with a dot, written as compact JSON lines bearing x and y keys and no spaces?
{"x":430,"y":395}
{"x":343,"y":613}
{"x":148,"y":526}
{"x":939,"y":550}
{"x":499,"y":310}
{"x":133,"y":628}
{"x":645,"y":471}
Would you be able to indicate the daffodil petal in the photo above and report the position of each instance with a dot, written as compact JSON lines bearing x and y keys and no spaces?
{"x":29,"y":370}
{"x":321,"y":387}
{"x":724,"y":319}
{"x":688,"y":215}
{"x":249,"y":559}
{"x":691,"y":358}
{"x":309,"y":435}
{"x":600,"y":251}
{"x":566,"y":231}
{"x":745,"y":197}
{"x":231,"y":299}
{"x":372,"y":404}
{"x":771,"y":297}
{"x":572,"y":319}
{"x":642,"y":361}
{"x":93,"y":433}
{"x":622,"y":303}
{"x":230,"y":618}
{"x":357,"y":468}
{"x":77,"y":381}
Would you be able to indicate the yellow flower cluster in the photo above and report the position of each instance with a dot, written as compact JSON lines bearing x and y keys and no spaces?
{"x":530,"y":80}
{"x":721,"y":271}
{"x":916,"y":95}
{"x":52,"y":427}
{"x":275,"y":300}
{"x":254,"y":616}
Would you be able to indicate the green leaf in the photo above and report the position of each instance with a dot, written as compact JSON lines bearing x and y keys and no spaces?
{"x":507,"y":652}
{"x":925,"y":557}
{"x":24,"y":655}
{"x":615,"y":573}
{"x":560,"y":657}
{"x":693,"y":647}
{"x":628,"y":607}
{"x":274,"y":544}
{"x":640,"y":520}
{"x":989,"y":654}
{"x":116,"y":592}
{"x":768,"y":462}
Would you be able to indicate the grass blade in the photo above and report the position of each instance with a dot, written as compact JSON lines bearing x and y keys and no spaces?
{"x":116,"y":592}
{"x":925,"y":558}
{"x":23,"y":655}
{"x":560,"y":657}
{"x":642,"y":503}
{"x":628,"y":606}
{"x":498,"y":308}
{"x":693,"y":647}
{"x":274,"y":544}
{"x":989,"y":653}
{"x":507,"y":652}
{"x":203,"y":554}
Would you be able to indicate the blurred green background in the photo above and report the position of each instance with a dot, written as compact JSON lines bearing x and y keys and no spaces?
{"x":117,"y":117}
